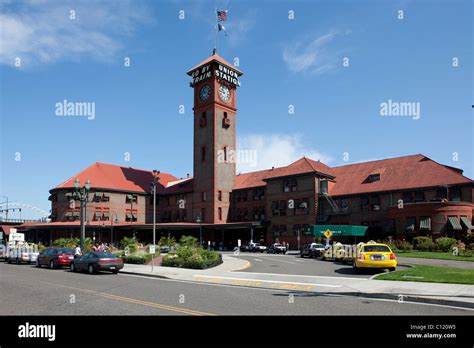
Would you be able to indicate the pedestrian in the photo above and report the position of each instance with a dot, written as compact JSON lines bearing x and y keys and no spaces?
{"x":77,"y":251}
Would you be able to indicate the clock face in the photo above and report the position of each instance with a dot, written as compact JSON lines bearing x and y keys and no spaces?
{"x":205,"y":92}
{"x":224,"y":93}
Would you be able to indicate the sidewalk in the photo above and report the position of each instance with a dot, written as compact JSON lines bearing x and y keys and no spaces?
{"x":228,"y":274}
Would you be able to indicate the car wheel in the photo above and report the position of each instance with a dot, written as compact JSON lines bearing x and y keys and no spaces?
{"x":392,"y":269}
{"x":115,"y":271}
{"x":9,"y":261}
{"x":51,"y":264}
{"x":38,"y":265}
{"x":91,"y":269}
{"x":72,"y":267}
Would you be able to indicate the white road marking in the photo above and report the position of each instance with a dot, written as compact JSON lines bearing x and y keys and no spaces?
{"x":302,"y":275}
{"x":258,"y":260}
{"x":268,"y":281}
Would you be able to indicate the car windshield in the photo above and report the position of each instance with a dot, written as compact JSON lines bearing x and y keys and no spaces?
{"x":104,"y":255}
{"x":376,"y":248}
{"x":319,"y":246}
{"x":65,"y":251}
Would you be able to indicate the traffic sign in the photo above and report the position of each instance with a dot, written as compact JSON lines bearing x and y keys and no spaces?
{"x":327,"y":233}
{"x":152,"y":249}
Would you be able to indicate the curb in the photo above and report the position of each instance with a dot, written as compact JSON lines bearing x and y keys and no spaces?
{"x":151,"y":275}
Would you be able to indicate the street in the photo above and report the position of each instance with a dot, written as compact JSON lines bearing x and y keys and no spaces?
{"x":26,"y":290}
{"x":296,"y":265}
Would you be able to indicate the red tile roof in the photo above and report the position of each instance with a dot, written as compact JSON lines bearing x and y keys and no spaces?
{"x":217,"y":58}
{"x":7,"y":228}
{"x":398,"y":173}
{"x":301,"y":166}
{"x":109,"y":176}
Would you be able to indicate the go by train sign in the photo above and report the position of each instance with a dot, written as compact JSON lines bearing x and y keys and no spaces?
{"x":220,"y":71}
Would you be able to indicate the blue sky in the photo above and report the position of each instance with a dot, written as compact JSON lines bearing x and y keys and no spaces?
{"x":296,"y":62}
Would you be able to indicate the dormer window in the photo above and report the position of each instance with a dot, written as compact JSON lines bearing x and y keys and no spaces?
{"x":373,"y":177}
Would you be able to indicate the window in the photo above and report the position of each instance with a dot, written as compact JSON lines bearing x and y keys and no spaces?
{"x":454,"y":194}
{"x":323,"y":186}
{"x":297,"y":230}
{"x":203,"y":196}
{"x":131,"y":198}
{"x":219,"y":196}
{"x":225,"y":153}
{"x":283,"y":230}
{"x":344,"y":203}
{"x":276,"y":230}
{"x":219,"y":213}
{"x":374,"y":203}
{"x":98,"y":196}
{"x":245,"y":214}
{"x":203,"y":214}
{"x":225,"y":121}
{"x":203,"y":153}
{"x":301,"y":206}
{"x":282,"y":208}
{"x":275,"y":208}
{"x":203,"y":120}
{"x":286,"y":185}
{"x":131,"y":215}
{"x":364,"y":203}
{"x":105,"y":197}
{"x":407,"y":197}
{"x":293,"y":185}
{"x":374,"y":177}
{"x":419,"y":196}
{"x":441,"y":193}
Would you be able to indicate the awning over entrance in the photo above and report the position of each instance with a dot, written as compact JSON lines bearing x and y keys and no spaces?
{"x":465,"y":221}
{"x":425,"y":223}
{"x":336,"y":230}
{"x":453,"y":222}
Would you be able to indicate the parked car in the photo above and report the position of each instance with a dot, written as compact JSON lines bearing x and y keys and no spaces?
{"x":375,"y":255}
{"x":55,"y":257}
{"x":277,"y":248}
{"x":96,"y":261}
{"x":257,"y":247}
{"x":245,"y":247}
{"x":312,"y":250}
{"x":24,"y":253}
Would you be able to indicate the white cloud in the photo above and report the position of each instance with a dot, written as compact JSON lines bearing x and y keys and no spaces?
{"x":42,"y":32}
{"x":311,"y":54}
{"x":275,"y":150}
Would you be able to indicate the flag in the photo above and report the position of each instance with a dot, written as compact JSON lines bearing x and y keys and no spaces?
{"x":221,"y":27}
{"x":222,"y":16}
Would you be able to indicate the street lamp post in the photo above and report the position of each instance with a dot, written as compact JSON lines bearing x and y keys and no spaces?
{"x":298,"y":237}
{"x":83,"y":194}
{"x":198,"y":220}
{"x":114,"y":219}
{"x":153,"y":191}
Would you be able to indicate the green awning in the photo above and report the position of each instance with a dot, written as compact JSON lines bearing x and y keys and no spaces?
{"x":465,"y":221}
{"x":453,"y":221}
{"x":337,"y":230}
{"x":425,"y":223}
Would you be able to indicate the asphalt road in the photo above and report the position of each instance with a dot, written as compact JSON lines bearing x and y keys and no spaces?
{"x":294,"y":264}
{"x":26,"y":290}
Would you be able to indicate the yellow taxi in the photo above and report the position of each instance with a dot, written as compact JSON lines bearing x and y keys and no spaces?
{"x":375,"y":255}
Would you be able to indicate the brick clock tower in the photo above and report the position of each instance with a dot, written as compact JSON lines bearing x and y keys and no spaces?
{"x":215,"y":83}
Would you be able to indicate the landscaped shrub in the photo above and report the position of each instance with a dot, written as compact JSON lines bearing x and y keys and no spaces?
{"x":445,"y":243}
{"x":192,"y":257}
{"x":403,"y":245}
{"x":131,"y":243}
{"x":137,"y":258}
{"x":189,"y":241}
{"x":73,"y":242}
{"x":165,"y":241}
{"x":424,"y":243}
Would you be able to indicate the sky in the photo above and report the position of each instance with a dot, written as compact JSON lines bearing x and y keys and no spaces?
{"x":316,"y":75}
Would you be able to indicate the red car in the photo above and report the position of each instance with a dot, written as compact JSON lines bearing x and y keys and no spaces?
{"x":55,"y":257}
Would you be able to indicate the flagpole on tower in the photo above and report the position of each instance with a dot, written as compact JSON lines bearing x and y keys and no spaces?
{"x":217,"y":30}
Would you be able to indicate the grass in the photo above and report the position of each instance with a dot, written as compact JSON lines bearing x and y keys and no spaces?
{"x":431,"y":274}
{"x":434,"y":255}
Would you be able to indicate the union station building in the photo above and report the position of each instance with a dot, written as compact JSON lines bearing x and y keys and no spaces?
{"x":398,"y":197}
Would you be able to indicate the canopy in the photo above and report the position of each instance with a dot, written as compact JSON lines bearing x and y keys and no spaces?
{"x":336,"y":230}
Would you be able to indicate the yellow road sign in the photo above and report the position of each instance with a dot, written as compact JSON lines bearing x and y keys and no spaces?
{"x":327,"y":233}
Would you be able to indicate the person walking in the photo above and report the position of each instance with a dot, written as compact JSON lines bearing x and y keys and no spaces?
{"x":77,"y":251}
